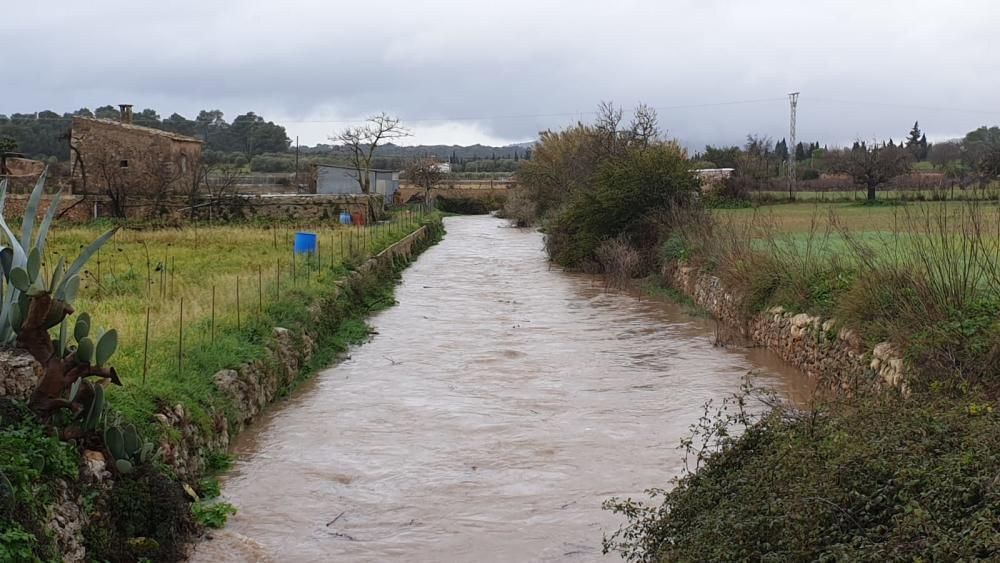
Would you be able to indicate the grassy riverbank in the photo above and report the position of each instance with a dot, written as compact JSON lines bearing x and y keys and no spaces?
{"x":310,"y":299}
{"x":925,"y":277}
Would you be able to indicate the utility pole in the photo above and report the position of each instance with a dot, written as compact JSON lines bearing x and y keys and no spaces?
{"x":296,"y":163}
{"x":793,"y":102}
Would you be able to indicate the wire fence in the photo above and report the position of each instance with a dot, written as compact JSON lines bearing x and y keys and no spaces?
{"x":161,"y":304}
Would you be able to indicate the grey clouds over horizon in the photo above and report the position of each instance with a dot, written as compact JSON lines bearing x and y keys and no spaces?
{"x":467,"y":72}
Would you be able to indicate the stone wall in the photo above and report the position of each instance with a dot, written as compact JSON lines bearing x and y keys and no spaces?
{"x":72,"y":208}
{"x":835,"y":357}
{"x":303,"y":207}
{"x":19,"y":372}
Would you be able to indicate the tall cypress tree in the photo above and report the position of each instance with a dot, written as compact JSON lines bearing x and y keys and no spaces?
{"x":913,"y":142}
{"x":781,"y":150}
{"x":800,"y":152}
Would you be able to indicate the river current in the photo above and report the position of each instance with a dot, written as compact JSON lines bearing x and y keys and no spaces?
{"x":497,"y":405}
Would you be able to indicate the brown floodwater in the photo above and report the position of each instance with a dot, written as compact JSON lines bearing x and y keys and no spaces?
{"x":499,"y":404}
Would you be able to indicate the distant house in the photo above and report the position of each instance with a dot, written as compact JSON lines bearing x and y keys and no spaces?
{"x":118,"y":157}
{"x":712,"y":177}
{"x":331,"y":179}
{"x":443,"y":167}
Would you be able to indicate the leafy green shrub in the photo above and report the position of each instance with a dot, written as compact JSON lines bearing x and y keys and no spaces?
{"x":630,"y":194}
{"x":213,"y":514}
{"x":17,"y":545}
{"x":866,"y":480}
{"x":31,"y":461}
{"x":674,"y":249}
{"x":209,"y":488}
{"x":733,"y":192}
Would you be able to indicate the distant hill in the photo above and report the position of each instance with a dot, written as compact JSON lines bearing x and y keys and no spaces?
{"x":442,"y":152}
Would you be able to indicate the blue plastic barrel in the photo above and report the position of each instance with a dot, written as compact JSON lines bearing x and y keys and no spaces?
{"x":345,"y":218}
{"x":305,"y":243}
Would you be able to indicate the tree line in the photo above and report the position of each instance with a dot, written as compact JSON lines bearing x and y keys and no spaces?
{"x":761,"y":163}
{"x":249,"y":141}
{"x":45,"y":134}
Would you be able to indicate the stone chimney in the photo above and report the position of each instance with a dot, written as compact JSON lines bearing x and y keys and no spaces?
{"x":126,"y":112}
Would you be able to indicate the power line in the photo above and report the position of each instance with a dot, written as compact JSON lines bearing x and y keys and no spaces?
{"x":903,"y":106}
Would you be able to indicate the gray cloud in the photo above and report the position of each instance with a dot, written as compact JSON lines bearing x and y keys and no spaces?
{"x":315,"y":64}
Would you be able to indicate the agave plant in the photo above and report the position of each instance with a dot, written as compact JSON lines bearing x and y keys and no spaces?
{"x":21,"y":261}
{"x":31,"y":305}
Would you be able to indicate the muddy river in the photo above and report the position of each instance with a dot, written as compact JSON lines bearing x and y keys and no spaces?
{"x":500,"y":402}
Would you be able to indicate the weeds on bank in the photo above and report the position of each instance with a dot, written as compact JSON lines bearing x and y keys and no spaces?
{"x":212,"y":515}
{"x":929,"y":282}
{"x":31,"y":463}
{"x":656,"y":287}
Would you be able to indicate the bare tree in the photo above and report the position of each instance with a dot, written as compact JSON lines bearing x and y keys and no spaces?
{"x":424,"y":173}
{"x":644,"y":128}
{"x":872,"y":166}
{"x":362,"y":140}
{"x":219,"y":182}
{"x":158,"y":179}
{"x":607,"y":127}
{"x":112,"y":176}
{"x":616,"y":140}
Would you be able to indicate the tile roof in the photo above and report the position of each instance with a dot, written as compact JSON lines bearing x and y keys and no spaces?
{"x":140,"y":129}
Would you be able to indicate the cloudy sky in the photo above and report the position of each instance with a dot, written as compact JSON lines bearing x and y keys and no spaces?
{"x":466,"y":71}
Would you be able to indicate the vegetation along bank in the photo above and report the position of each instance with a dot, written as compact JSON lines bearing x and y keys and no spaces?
{"x":110,"y":456}
{"x":891,"y":308}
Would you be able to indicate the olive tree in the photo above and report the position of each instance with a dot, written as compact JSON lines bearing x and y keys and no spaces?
{"x":873,"y":166}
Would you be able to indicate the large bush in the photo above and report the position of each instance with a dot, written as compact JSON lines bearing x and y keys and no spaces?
{"x":564,"y":163}
{"x":866,"y":480}
{"x":629,"y":196}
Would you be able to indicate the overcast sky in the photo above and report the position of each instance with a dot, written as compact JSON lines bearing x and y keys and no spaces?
{"x":468,"y":71}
